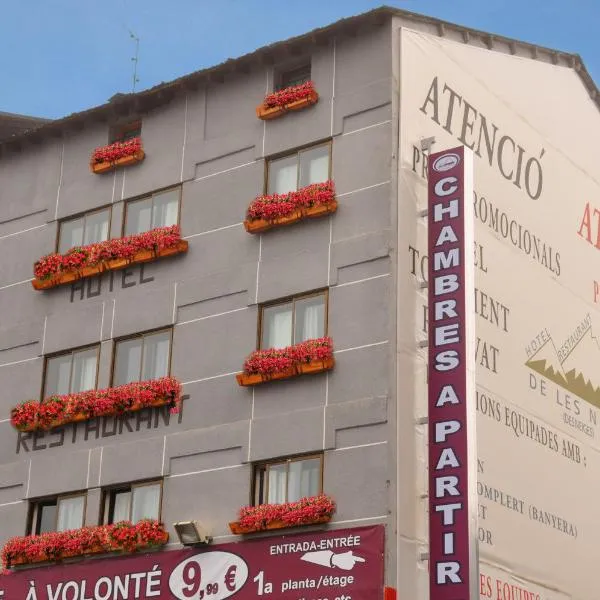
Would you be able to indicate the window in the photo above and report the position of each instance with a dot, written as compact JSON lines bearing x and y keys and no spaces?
{"x":71,"y":372}
{"x":143,"y":357}
{"x":293,"y":321}
{"x":87,"y":229}
{"x":296,"y":76}
{"x":159,"y":210}
{"x":295,"y":171}
{"x":120,"y":133}
{"x":56,"y":514}
{"x":133,"y":502}
{"x":288,"y":480}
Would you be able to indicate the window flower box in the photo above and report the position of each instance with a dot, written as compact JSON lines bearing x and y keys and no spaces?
{"x":307,"y":511}
{"x":274,"y":210}
{"x":295,"y":97}
{"x":86,"y":261}
{"x":58,"y":545}
{"x":72,"y":408}
{"x":311,"y":356}
{"x":117,"y":154}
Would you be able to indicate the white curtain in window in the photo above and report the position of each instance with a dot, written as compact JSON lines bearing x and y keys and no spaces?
{"x":138,"y":216}
{"x":70,"y":513}
{"x":58,"y":375}
{"x":165,"y":209}
{"x":121,"y":507}
{"x":71,"y":234}
{"x":84,"y":371}
{"x":277,"y":484}
{"x":312,"y":324}
{"x":303,"y":479}
{"x":145,"y":502}
{"x":128,"y":361}
{"x":283,"y":175}
{"x":96,"y":227}
{"x":314,"y":165}
{"x":156,"y":356}
{"x":279,"y":330}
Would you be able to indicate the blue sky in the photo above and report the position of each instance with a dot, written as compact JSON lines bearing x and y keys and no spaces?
{"x":63,"y":56}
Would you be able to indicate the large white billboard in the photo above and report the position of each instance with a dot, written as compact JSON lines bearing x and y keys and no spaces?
{"x":533,"y":129}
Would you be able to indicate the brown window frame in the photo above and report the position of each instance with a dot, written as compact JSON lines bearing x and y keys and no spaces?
{"x":151,"y":196}
{"x":293,"y":298}
{"x":297,"y":151}
{"x":118,"y":131}
{"x":83,"y":215}
{"x":284,"y":77}
{"x":72,"y":351}
{"x":108,"y":493}
{"x":142,"y":335}
{"x":34,"y":515}
{"x":259,"y":489}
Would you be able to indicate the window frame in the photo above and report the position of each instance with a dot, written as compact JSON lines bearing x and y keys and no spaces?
{"x":286,"y":70}
{"x":83,"y":215}
{"x":297,"y":151}
{"x":293,"y":298}
{"x":34,"y":514}
{"x":260,"y":477}
{"x":48,"y":357}
{"x":142,"y":334}
{"x":117,"y":131}
{"x":151,"y":196}
{"x":108,"y":495}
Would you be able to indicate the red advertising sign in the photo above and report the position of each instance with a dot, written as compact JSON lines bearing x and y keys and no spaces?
{"x":452,"y":475}
{"x":342,"y":564}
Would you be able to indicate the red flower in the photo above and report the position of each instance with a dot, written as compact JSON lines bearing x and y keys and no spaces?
{"x":94,"y":254}
{"x":117,"y":150}
{"x":272,"y":206}
{"x":56,"y":545}
{"x":59,"y":410}
{"x":289,"y":94}
{"x":275,"y":360}
{"x":303,"y":512}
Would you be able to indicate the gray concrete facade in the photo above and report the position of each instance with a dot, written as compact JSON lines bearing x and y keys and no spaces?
{"x":210,"y":142}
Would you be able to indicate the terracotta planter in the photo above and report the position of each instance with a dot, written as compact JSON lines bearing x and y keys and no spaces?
{"x":260,"y":225}
{"x":182,"y":246}
{"x":238,"y":529}
{"x":267,"y":113}
{"x":124,"y":161}
{"x":321,"y":210}
{"x":249,"y":379}
{"x":116,"y":263}
{"x":113,"y":264}
{"x":316,"y":366}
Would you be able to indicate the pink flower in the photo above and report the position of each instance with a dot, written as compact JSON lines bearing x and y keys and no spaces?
{"x":289,"y":94}
{"x":117,"y":150}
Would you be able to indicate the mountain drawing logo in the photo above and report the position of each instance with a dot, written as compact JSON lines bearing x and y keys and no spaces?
{"x":572,"y":364}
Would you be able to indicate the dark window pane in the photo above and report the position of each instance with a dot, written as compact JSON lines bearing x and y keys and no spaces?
{"x":295,"y":76}
{"x":46,"y":517}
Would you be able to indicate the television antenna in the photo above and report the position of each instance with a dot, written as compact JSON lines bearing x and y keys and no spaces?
{"x":135,"y":59}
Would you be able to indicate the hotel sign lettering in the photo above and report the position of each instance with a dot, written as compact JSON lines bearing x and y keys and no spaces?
{"x":452,"y":499}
